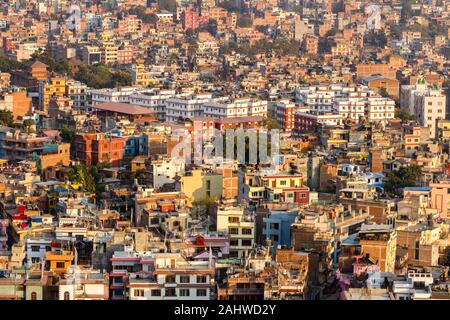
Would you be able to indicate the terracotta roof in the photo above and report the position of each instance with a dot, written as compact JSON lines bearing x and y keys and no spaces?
{"x":37,"y":63}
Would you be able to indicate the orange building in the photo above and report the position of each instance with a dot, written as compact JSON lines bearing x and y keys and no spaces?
{"x":59,"y":261}
{"x":61,"y":156}
{"x":95,"y":148}
{"x":367,"y":69}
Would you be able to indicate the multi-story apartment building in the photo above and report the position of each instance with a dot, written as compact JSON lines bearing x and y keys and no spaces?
{"x":15,"y":145}
{"x":187,"y":106}
{"x":232,"y":108}
{"x":379,"y":242}
{"x":284,"y":114}
{"x":94,"y":148}
{"x":153,"y":100}
{"x":173,"y":277}
{"x":47,"y":90}
{"x":380,"y":109}
{"x":113,"y":95}
{"x":78,"y":93}
{"x":240,"y":226}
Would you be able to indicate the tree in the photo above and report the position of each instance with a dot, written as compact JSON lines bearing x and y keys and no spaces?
{"x":100,"y":76}
{"x":168,"y":5}
{"x":403,"y":115}
{"x":244,"y":22}
{"x":404,"y":177}
{"x":54,"y":65}
{"x":6,"y":118}
{"x":67,"y":135}
{"x":270,"y":122}
{"x":229,"y":5}
{"x":376,"y":39}
{"x":7,"y":64}
{"x":384,"y":93}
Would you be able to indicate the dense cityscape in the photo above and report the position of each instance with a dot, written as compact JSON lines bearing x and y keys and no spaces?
{"x":224,"y":150}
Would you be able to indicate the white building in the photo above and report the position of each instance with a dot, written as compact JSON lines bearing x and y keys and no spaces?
{"x":172,"y":277}
{"x":113,"y":95}
{"x":187,"y":106}
{"x":416,"y":286}
{"x":240,"y":227}
{"x":79,"y":94}
{"x":155,"y":101}
{"x":379,"y":109}
{"x":165,"y":170}
{"x":36,"y":250}
{"x":228,"y":108}
{"x":427,"y":103}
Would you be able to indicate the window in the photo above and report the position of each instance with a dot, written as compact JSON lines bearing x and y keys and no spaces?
{"x":33,"y":296}
{"x":35,"y":248}
{"x":156,"y":293}
{"x":184,"y":279}
{"x":170,"y":292}
{"x":233,"y":230}
{"x":138,"y":293}
{"x":233,"y":254}
{"x":274,"y":226}
{"x":246,"y":242}
{"x":66,"y":295}
{"x":170,"y":279}
{"x":246,"y":231}
{"x":201,"y":279}
{"x":201,"y":292}
{"x":282,"y":182}
{"x":59,"y":265}
{"x":233,"y":219}
{"x":234,"y":242}
{"x":184,"y":293}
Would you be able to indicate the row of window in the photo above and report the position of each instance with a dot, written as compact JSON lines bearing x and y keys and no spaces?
{"x":171,"y":292}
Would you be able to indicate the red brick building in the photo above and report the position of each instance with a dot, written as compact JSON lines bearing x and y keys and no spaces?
{"x":94,"y":148}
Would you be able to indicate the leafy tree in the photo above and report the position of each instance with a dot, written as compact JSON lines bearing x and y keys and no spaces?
{"x":88,"y":178}
{"x":6,"y":118}
{"x":229,"y":5}
{"x":403,"y":115}
{"x":56,"y":65}
{"x":100,"y":76}
{"x":404,"y":177}
{"x":384,"y":93}
{"x":67,"y":135}
{"x":244,"y":22}
{"x":7,"y":64}
{"x":270,"y":122}
{"x":168,"y":5}
{"x":376,"y":39}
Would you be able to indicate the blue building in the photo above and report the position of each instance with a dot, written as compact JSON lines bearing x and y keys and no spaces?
{"x":277,"y":227}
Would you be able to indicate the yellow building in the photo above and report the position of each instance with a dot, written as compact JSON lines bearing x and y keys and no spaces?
{"x":59,"y":261}
{"x":56,"y":87}
{"x":141,"y":76}
{"x":109,"y":53}
{"x":202,"y":184}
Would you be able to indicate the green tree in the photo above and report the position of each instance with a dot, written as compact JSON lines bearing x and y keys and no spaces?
{"x":403,"y":115}
{"x":54,"y":65}
{"x":7,"y":64}
{"x":168,"y":5}
{"x":67,"y":135}
{"x":404,"y":177}
{"x":244,"y":22}
{"x":6,"y":118}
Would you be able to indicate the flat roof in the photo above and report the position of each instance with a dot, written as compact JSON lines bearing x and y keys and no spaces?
{"x":124,"y":108}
